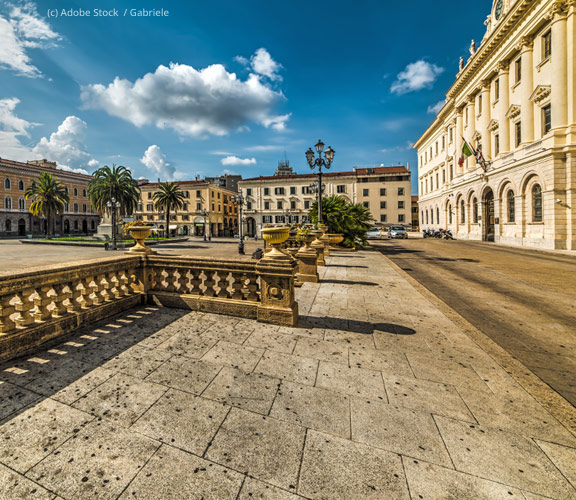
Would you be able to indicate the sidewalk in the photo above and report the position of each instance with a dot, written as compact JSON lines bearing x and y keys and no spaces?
{"x":376,"y":394}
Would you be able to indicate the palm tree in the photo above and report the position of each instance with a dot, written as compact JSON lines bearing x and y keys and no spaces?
{"x":114,"y":183}
{"x":168,"y":198}
{"x":49,"y":198}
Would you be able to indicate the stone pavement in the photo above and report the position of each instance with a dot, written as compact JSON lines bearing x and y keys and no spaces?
{"x":376,"y":395}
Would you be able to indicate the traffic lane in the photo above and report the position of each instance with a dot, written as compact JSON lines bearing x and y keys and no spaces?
{"x":534,"y":323}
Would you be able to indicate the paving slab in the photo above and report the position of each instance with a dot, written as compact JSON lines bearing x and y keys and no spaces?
{"x":288,"y":367}
{"x":563,"y":457}
{"x":185,"y":374}
{"x":137,"y":361}
{"x":257,"y":490}
{"x":272,"y":341}
{"x":83,"y":385}
{"x":352,"y":381}
{"x":13,"y":398}
{"x":175,"y":474}
{"x":15,"y":486}
{"x":98,"y":462}
{"x":192,"y":345}
{"x":335,"y":468}
{"x":182,"y":420}
{"x":265,"y":448}
{"x":384,"y":361}
{"x":322,"y":350}
{"x":237,"y":356}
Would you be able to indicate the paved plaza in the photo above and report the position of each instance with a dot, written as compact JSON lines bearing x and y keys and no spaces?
{"x":376,"y":394}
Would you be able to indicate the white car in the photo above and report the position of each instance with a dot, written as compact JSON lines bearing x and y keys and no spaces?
{"x":373,"y":234}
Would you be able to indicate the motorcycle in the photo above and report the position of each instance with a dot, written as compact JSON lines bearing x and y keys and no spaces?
{"x":444,"y":234}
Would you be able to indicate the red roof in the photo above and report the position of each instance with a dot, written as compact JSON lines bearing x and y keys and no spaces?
{"x":414,"y":198}
{"x":382,"y":170}
{"x":14,"y":163}
{"x":355,"y":172}
{"x":179,"y":183}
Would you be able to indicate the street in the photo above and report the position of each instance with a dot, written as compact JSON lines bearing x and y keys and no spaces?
{"x":523,"y":300}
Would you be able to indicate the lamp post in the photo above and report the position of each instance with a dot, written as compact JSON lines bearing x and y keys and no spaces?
{"x":113,"y":205}
{"x":205,"y":213}
{"x":320,"y":162}
{"x":287,"y":213}
{"x":239,"y":200}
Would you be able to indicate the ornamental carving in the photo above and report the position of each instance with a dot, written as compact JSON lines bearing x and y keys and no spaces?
{"x":513,"y":112}
{"x":541,"y":94}
{"x":558,"y":10}
{"x":503,"y":66}
{"x":526,"y":42}
{"x":493,"y":125}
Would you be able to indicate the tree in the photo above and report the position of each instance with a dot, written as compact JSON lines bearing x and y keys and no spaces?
{"x":117,"y":183}
{"x":49,"y":198}
{"x":168,"y":198}
{"x":349,"y":219}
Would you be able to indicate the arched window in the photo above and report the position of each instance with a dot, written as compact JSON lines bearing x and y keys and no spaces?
{"x":75,"y":208}
{"x":21,"y":204}
{"x":84,"y":193}
{"x":437,"y":215}
{"x":462,"y":212}
{"x":7,"y":183}
{"x":511,"y":206}
{"x":75,"y":225}
{"x":8,"y":225}
{"x":475,"y":209}
{"x":450,"y":214}
{"x":8,"y":203}
{"x":84,"y":208}
{"x":422,"y":218}
{"x":536,"y":203}
{"x":20,"y":185}
{"x":426,"y":216}
{"x":75,"y":191}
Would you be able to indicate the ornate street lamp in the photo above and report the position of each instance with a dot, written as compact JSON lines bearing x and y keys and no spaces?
{"x":113,"y":205}
{"x":239,"y":200}
{"x":205,"y":213}
{"x":320,"y":162}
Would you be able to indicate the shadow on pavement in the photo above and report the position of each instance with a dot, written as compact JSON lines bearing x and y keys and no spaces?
{"x":364,"y":327}
{"x":346,"y":282}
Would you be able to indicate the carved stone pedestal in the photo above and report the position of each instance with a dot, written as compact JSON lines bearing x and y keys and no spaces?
{"x":318,"y":246}
{"x":307,"y":268}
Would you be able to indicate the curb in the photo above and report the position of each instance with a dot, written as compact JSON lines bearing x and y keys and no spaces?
{"x":96,"y":245}
{"x":553,"y":402}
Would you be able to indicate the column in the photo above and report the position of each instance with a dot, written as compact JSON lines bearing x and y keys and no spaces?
{"x":458,"y":139}
{"x":503,"y":104}
{"x":485,"y":120}
{"x":527,"y":87}
{"x":470,"y":163}
{"x":571,"y":55}
{"x":559,"y":97}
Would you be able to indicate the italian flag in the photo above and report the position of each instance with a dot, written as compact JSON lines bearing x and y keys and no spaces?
{"x":467,"y":151}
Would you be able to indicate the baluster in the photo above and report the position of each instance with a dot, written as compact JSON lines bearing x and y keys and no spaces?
{"x":74,"y":304}
{"x":195,"y":282}
{"x":115,"y":289}
{"x":61,"y":296}
{"x":238,"y":281}
{"x":183,"y":281}
{"x":171,"y":279}
{"x":104,"y":287}
{"x":23,"y":306}
{"x":86,"y":299}
{"x":209,"y":283}
{"x":251,"y":288}
{"x":96,"y":286}
{"x":6,"y":310}
{"x":42,"y":300}
{"x":223,"y":284}
{"x":133,"y":281}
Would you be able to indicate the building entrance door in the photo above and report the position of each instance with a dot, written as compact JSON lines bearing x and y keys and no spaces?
{"x":488,"y":216}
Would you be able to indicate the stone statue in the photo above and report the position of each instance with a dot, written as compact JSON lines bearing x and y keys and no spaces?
{"x":472,"y":48}
{"x":461,"y":64}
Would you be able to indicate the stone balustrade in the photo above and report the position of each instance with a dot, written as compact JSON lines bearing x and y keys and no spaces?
{"x":38,"y":306}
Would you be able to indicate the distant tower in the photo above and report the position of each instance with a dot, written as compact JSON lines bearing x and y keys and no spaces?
{"x":284,"y":167}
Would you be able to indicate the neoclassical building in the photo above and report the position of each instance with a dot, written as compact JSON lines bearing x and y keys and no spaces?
{"x":514,"y":100}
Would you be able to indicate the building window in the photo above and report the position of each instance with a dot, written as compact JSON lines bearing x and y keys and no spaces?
{"x":266,"y":191}
{"x":248,"y":191}
{"x":267,"y":219}
{"x":279,"y":205}
{"x":462,"y":212}
{"x":292,"y":205}
{"x":475,"y":210}
{"x":84,"y":193}
{"x":306,"y":205}
{"x":198,"y":206}
{"x":466,"y":116}
{"x":518,"y":69}
{"x":497,"y":89}
{"x":537,"y":203}
{"x":75,"y":191}
{"x":149,"y":195}
{"x":75,"y":208}
{"x":400,"y":217}
{"x":7,"y":183}
{"x":437,"y":215}
{"x":496,"y":143}
{"x":518,"y":128}
{"x":292,"y":189}
{"x":366,"y":204}
{"x":479,"y":104}
{"x":8,"y":203}
{"x":511,"y":206}
{"x":75,"y":225}
{"x":382,"y":191}
{"x":149,"y":207}
{"x":66,"y":207}
{"x":450,"y":214}
{"x":280,"y":219}
{"x":248,"y":205}
{"x":365,"y":192}
{"x":279,"y":190}
{"x":266,"y":205}
{"x":21,"y":204}
{"x":443,"y":142}
{"x":84,"y":208}
{"x":382,"y":217}
{"x":341,"y":188}
{"x":305,"y":189}
{"x":400,"y":191}
{"x":547,"y":118}
{"x":400,"y":204}
{"x":427,"y":217}
{"x":382,"y":204}
{"x":547,"y":44}
{"x":20,"y":185}
{"x":150,"y":217}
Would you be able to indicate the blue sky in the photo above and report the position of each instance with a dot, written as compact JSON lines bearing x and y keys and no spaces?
{"x":227,"y":85}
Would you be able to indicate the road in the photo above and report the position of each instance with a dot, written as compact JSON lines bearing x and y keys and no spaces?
{"x":524,"y":300}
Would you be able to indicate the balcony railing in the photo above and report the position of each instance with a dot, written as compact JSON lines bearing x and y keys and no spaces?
{"x":37,"y":306}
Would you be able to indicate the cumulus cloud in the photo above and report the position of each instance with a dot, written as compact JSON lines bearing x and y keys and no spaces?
{"x":263,"y":64}
{"x":234,"y":160}
{"x":416,"y":76}
{"x":192,"y":102}
{"x":155,"y":161}
{"x":435,"y":108}
{"x":66,"y":147}
{"x":12,"y":130}
{"x":23,"y":28}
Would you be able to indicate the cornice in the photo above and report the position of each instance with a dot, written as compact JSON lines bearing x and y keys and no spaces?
{"x":541,"y":93}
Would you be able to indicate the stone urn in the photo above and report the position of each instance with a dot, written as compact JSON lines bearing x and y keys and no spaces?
{"x":318,"y":246}
{"x":274,"y":237}
{"x":336,"y":238}
{"x":140,"y":233}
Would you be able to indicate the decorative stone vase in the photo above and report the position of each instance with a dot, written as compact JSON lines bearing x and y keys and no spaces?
{"x":336,"y":238}
{"x":140,"y":233}
{"x":318,"y":246}
{"x":274,"y":237}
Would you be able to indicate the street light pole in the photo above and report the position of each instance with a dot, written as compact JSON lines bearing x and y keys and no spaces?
{"x":239,"y":200}
{"x":113,"y":205}
{"x":319,"y":163}
{"x":205,"y":214}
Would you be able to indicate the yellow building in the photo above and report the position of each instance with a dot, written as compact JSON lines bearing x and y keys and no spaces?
{"x":208,"y":209}
{"x":514,"y":100}
{"x":15,"y":218}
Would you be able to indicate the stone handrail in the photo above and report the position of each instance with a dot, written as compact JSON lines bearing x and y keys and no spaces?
{"x":37,"y":306}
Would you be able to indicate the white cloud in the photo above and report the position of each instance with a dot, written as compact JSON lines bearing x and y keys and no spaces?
{"x":263,"y":64}
{"x":21,"y":29}
{"x":66,"y":146}
{"x":435,"y":109}
{"x":407,"y":146}
{"x":234,"y":160}
{"x":155,"y":161}
{"x":220,"y":153}
{"x":192,"y":102}
{"x":416,"y":76}
{"x":242,"y":60}
{"x":267,"y":147}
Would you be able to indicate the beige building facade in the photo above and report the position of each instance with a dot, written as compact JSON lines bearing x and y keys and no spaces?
{"x":287,"y":197}
{"x":514,"y":100}
{"x":208,"y":209}
{"x":15,"y":217}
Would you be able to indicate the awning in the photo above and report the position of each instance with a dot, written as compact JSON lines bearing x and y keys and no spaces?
{"x":173,"y":226}
{"x":199,"y":221}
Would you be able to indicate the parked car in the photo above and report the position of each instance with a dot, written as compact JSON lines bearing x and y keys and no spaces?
{"x":397,"y":232}
{"x":374,"y":234}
